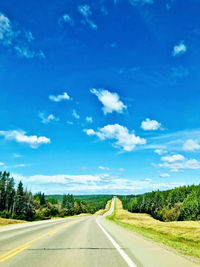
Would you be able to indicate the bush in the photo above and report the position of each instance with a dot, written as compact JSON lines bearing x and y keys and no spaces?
{"x":171,"y":214}
{"x":5,"y":214}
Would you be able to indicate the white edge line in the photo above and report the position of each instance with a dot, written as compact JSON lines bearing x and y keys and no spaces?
{"x":121,"y":252}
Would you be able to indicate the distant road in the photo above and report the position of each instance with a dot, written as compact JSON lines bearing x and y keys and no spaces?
{"x":81,"y":241}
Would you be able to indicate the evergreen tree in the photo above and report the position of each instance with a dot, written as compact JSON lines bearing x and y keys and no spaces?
{"x":3,"y":179}
{"x":64,"y":201}
{"x":190,"y":207}
{"x":19,"y":200}
{"x":28,"y":208}
{"x":10,"y":194}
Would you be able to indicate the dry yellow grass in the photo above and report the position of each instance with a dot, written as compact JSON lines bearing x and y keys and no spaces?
{"x":4,"y":222}
{"x":184,"y":236}
{"x":107,"y":207}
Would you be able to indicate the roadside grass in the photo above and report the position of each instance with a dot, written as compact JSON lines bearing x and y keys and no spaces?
{"x":4,"y":222}
{"x":182,"y":236}
{"x":107,"y":207}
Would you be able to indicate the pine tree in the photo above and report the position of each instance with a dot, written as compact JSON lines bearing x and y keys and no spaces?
{"x":19,"y":200}
{"x":190,"y":207}
{"x":3,"y":179}
{"x":64,"y":201}
{"x":10,"y":194}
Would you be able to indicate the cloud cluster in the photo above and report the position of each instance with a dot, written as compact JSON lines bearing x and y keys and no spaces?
{"x":104,"y":168}
{"x":79,"y":184}
{"x":160,"y":151}
{"x":16,"y":39}
{"x":191,"y":145}
{"x":150,"y":125}
{"x":173,"y":158}
{"x":124,"y":140}
{"x":48,"y":118}
{"x":21,"y":137}
{"x":86,"y":12}
{"x":23,"y":51}
{"x":179,"y":49}
{"x":59,"y":98}
{"x":75,"y":114}
{"x":65,"y":19}
{"x":89,"y":119}
{"x":110,"y":101}
{"x":178,"y":163}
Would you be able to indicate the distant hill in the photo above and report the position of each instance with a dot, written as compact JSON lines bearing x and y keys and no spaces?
{"x":87,"y":198}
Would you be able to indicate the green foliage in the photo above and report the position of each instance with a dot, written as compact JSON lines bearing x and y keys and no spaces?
{"x":182,"y":203}
{"x":190,"y":208}
{"x":21,"y":204}
{"x":93,"y":203}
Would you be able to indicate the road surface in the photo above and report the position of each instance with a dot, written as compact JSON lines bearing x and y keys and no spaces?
{"x":81,"y":241}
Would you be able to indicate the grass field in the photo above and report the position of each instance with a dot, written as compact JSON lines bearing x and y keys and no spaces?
{"x":107,"y":207}
{"x":183,"y":236}
{"x":4,"y":222}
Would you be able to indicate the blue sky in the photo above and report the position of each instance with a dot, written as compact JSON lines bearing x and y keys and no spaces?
{"x":100,"y":96}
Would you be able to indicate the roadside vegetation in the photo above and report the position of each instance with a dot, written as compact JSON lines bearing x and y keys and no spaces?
{"x":107,"y":207}
{"x":179,"y":204}
{"x":20,"y":204}
{"x":4,"y":221}
{"x":183,"y":236}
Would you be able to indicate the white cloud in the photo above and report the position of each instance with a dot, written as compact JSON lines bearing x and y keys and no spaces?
{"x":150,"y":125}
{"x":141,"y":2}
{"x":21,"y":137}
{"x":173,"y":158}
{"x":89,"y":131}
{"x":124,"y":140}
{"x":48,"y":118}
{"x":160,"y":151}
{"x":75,"y":114}
{"x":86,"y":12}
{"x":27,"y":53}
{"x":65,"y":19}
{"x":179,"y":49}
{"x":191,"y":145}
{"x":6,"y":32}
{"x":104,"y":168}
{"x":16,"y":39}
{"x":59,"y":98}
{"x":173,"y":141}
{"x":89,"y":119}
{"x":164,"y":175}
{"x":79,"y":184}
{"x":178,"y":163}
{"x":2,"y":164}
{"x":110,"y":101}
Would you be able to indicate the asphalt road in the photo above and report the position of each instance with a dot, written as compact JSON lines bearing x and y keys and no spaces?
{"x":81,"y":241}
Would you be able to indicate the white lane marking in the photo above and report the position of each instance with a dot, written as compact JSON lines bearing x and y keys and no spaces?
{"x":121,"y":252}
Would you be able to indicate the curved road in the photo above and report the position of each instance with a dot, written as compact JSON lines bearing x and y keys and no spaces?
{"x":81,"y":241}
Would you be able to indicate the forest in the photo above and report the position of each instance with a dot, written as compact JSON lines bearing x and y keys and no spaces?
{"x":19,"y":203}
{"x":178,"y":204}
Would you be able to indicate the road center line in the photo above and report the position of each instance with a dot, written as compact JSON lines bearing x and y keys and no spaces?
{"x":121,"y":251}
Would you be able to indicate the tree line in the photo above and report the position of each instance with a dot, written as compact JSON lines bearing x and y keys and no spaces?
{"x":19,"y":203}
{"x":179,"y":204}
